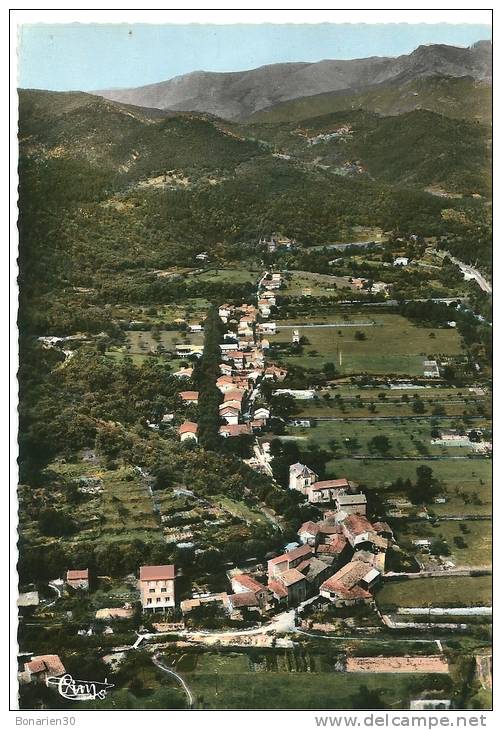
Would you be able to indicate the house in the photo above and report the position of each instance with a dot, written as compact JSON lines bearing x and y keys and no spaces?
{"x":401,"y":261}
{"x":301,"y":477}
{"x":431,"y":369}
{"x":236,"y":356}
{"x":307,"y":292}
{"x":351,"y":584}
{"x":245,"y":584}
{"x":78,"y":579}
{"x":41,"y":668}
{"x":361,"y":534}
{"x":273,"y":372}
{"x":195,"y":328}
{"x":183,"y":373}
{"x":268,"y":328}
{"x":288,"y":560}
{"x":294,"y":583}
{"x":189,"y":396}
{"x":315,"y":532}
{"x":225,"y":369}
{"x":235,"y":429}
{"x":316,"y":571}
{"x":261,"y":413}
{"x":325,"y":492}
{"x":234,"y":397}
{"x":188,"y":430}
{"x":297,"y":394}
{"x":265,"y":344}
{"x":183,"y":350}
{"x":239,"y":601}
{"x":224,"y":312}
{"x":351,"y":503}
{"x":335,"y":547}
{"x":156,"y":586}
{"x":379,"y":287}
{"x":296,"y":336}
{"x":229,"y":412}
{"x":225,"y":383}
{"x":264,"y":307}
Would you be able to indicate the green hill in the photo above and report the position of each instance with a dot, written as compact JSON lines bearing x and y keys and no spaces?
{"x":417,"y":149}
{"x":458,"y":98}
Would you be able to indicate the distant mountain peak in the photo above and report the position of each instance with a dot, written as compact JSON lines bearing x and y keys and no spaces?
{"x":239,"y":94}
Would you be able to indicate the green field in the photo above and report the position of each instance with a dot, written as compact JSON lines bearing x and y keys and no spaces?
{"x":407,"y":437}
{"x":141,"y":342}
{"x":355,"y":402}
{"x":227,"y":276}
{"x":282,"y":681}
{"x":319,"y":284}
{"x":422,"y":592}
{"x":478,"y":540}
{"x":393,"y":345}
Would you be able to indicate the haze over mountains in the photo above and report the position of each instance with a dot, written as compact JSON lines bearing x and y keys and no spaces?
{"x":238,"y":95}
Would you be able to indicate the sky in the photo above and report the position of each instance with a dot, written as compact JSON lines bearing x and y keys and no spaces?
{"x":88,"y":57}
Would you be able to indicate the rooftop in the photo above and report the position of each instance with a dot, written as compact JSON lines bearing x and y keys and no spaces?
{"x":157,"y":572}
{"x":77,"y":574}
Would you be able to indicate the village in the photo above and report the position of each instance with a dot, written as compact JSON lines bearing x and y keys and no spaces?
{"x":335,"y":564}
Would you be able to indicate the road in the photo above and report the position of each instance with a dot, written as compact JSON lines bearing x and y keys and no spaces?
{"x":471,"y":273}
{"x":178,"y":677}
{"x":54,"y":588}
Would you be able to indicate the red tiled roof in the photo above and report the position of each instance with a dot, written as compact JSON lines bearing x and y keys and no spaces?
{"x":188,"y":427}
{"x":157,"y":572}
{"x":357,"y":524}
{"x":278,"y":588}
{"x":248,"y":582}
{"x":310,"y":527}
{"x":334,"y":547}
{"x":235,"y":429}
{"x":330,"y":484}
{"x":298,"y":552}
{"x":189,"y":395}
{"x":77,"y":574}
{"x":290,"y":577}
{"x":233,"y":395}
{"x":242,"y":600}
{"x":50,"y":663}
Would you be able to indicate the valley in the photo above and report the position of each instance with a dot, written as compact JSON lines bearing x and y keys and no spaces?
{"x":256,"y":392}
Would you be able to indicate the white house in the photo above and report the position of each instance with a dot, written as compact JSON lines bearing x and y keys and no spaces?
{"x":301,"y":476}
{"x":401,"y":261}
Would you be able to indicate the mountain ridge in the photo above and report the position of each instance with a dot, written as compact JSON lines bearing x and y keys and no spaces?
{"x":239,"y":94}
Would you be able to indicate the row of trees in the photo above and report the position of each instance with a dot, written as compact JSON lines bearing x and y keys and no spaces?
{"x":206,"y":375}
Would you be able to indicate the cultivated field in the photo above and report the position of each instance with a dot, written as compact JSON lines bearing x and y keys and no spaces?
{"x":393,"y":345}
{"x":440,"y":592}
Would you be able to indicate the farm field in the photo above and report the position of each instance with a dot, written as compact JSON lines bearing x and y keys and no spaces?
{"x":406,"y":437}
{"x":363,"y":405}
{"x":278,"y":681}
{"x":228,"y":276}
{"x":477,"y":541}
{"x":318,"y":284}
{"x":440,"y":592}
{"x":192,"y":310}
{"x":393,"y":345}
{"x":121,"y":511}
{"x":142,"y":341}
{"x":474,"y":475}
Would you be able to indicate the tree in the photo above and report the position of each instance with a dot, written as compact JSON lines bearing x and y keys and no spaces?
{"x":380,"y":443}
